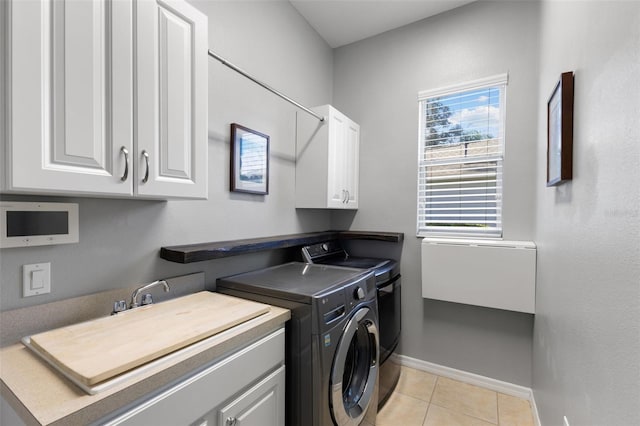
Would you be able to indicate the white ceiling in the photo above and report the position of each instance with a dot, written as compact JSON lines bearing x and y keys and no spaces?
{"x":342,"y":22}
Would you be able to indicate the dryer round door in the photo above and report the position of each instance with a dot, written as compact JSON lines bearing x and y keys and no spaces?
{"x":355,"y":369}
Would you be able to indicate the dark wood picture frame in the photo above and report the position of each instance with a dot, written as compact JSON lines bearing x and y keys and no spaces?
{"x":560,"y":131}
{"x":249,"y":160}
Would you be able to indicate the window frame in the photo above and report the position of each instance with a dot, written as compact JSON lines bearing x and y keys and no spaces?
{"x":498,"y":81}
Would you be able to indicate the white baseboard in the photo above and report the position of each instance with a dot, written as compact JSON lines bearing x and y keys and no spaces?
{"x":534,"y":408}
{"x":472,"y":379}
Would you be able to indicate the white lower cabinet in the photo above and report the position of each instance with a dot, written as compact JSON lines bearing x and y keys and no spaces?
{"x":245,"y":388}
{"x":262,"y":405}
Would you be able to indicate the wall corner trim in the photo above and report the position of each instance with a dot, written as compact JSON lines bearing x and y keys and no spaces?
{"x":534,"y":409}
{"x":473,"y":379}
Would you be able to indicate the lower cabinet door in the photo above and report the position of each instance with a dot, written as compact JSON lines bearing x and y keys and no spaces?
{"x":262,"y":405}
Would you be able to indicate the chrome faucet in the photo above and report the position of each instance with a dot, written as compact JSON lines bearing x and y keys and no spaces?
{"x":134,"y":296}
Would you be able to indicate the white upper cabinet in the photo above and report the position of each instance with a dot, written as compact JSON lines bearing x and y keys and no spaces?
{"x":75,"y":101}
{"x":70,"y":114}
{"x":171,"y":93}
{"x":327,"y":160}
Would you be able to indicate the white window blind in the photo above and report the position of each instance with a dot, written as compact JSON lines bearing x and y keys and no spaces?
{"x":461,"y":150}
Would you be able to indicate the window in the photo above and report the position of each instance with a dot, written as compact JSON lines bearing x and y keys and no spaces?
{"x":460,"y":159}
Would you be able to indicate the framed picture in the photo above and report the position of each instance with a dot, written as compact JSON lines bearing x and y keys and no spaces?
{"x":249,"y":160}
{"x":560,"y":131}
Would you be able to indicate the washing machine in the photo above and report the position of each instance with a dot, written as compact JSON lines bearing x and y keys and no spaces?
{"x":332,"y":339}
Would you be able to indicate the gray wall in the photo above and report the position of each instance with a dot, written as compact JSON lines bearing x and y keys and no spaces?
{"x":586,"y":338}
{"x":586,"y":359}
{"x":376,"y":83}
{"x":120,"y":239}
{"x":3,"y":58}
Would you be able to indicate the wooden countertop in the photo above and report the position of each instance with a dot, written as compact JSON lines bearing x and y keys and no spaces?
{"x":41,"y":396}
{"x":92,"y":352}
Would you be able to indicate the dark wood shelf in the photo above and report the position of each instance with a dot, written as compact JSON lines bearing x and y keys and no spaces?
{"x":391,"y":237}
{"x":216,"y":250}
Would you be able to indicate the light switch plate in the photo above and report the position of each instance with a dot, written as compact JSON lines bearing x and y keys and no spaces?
{"x":36,"y":279}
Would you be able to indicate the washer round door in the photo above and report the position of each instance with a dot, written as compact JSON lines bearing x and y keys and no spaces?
{"x":355,"y":369}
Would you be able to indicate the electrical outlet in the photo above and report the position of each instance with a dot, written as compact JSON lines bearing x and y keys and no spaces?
{"x":566,"y":421}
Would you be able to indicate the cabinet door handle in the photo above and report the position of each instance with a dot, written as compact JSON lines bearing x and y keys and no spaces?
{"x":125,"y":151}
{"x":145,"y":154}
{"x":348,"y":196}
{"x":231,"y":421}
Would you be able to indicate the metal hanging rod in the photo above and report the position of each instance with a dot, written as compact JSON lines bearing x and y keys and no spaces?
{"x":266,"y":86}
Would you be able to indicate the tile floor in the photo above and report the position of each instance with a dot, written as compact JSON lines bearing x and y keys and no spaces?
{"x":424,"y":399}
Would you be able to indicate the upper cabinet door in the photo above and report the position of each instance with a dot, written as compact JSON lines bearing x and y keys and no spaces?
{"x":336,"y":188}
{"x":70,"y":93}
{"x":343,"y":164}
{"x":171,"y":99}
{"x":352,"y":168}
{"x":327,"y":160}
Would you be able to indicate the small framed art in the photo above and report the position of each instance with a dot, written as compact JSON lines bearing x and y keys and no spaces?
{"x":560,"y":131}
{"x":249,"y":160}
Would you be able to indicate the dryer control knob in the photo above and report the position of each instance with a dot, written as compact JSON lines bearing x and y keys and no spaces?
{"x":359,"y":293}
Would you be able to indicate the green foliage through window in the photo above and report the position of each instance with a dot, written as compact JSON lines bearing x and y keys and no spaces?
{"x":461,"y":152}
